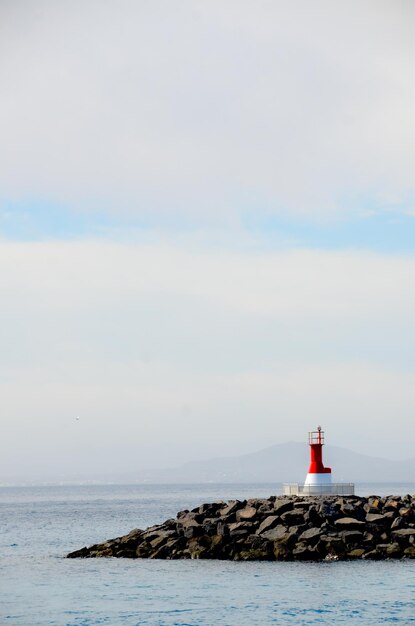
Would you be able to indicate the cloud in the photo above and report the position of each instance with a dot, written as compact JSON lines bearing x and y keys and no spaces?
{"x":160,"y":344}
{"x":203,"y":112}
{"x":248,"y":124}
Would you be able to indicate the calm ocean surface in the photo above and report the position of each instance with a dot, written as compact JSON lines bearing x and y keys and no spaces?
{"x":39,"y":525}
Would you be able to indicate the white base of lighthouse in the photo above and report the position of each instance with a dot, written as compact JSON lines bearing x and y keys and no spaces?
{"x":318,"y":479}
{"x":329,"y":489}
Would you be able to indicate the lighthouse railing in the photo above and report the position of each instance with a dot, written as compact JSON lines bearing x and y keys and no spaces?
{"x":332,"y":489}
{"x":316,"y":436}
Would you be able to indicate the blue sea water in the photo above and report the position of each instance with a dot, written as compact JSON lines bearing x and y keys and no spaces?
{"x":38,"y":586}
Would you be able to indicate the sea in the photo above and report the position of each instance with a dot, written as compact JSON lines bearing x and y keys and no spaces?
{"x":39,"y":586}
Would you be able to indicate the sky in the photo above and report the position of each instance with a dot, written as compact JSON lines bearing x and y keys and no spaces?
{"x":207,"y":230}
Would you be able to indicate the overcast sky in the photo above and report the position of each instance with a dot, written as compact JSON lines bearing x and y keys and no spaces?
{"x":207,"y":229}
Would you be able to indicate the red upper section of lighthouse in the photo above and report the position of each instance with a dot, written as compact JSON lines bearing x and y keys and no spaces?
{"x":316,"y":441}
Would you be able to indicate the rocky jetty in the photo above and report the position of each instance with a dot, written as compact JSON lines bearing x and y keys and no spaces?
{"x":278,"y":528}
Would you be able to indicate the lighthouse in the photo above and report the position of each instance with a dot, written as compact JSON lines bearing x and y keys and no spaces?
{"x":318,"y":475}
{"x":318,"y":480}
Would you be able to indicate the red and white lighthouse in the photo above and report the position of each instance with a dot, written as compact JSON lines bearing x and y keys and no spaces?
{"x":318,"y":475}
{"x":318,"y":480}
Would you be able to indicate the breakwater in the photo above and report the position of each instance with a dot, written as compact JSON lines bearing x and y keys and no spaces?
{"x":277,"y":528}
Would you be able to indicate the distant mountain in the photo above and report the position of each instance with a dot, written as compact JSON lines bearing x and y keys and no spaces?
{"x":285,"y":463}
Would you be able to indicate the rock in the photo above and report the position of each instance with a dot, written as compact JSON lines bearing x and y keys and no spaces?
{"x":151,"y":532}
{"x":248,"y":513}
{"x":357,"y":553}
{"x":239,"y":528}
{"x":403,"y":532}
{"x":192,"y":516}
{"x":368,"y":537}
{"x":278,"y":528}
{"x":132,"y":535}
{"x":170,"y":549}
{"x":210,"y":526}
{"x":256,"y":502}
{"x":397,"y":523}
{"x":192,"y":530}
{"x":162,"y":538}
{"x":348,"y":523}
{"x":281,"y":535}
{"x":311,"y":516}
{"x":304,"y":552}
{"x":332,"y":545}
{"x":197,"y":543}
{"x":222,"y":529}
{"x":390,"y":550}
{"x":144,"y":550}
{"x":374,"y":502}
{"x":349,"y":510}
{"x":393,"y":550}
{"x":406,"y":513}
{"x":291,"y":518}
{"x":269,"y":522}
{"x":282,"y":506}
{"x":373,"y":555}
{"x":263,"y":553}
{"x":232,"y":507}
{"x":281,"y":552}
{"x":82,"y":553}
{"x":392,"y":504}
{"x":377,"y":519}
{"x":303,"y":504}
{"x":211,"y":509}
{"x":329,"y":511}
{"x":310,"y":536}
{"x":266,"y":508}
{"x":351,"y":537}
{"x":410,"y":552}
{"x":404,"y":535}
